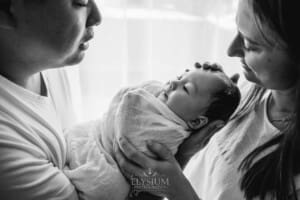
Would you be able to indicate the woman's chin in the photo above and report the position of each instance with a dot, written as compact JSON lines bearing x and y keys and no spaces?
{"x":250,"y":76}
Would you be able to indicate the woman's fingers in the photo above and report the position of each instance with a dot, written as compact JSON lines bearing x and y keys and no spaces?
{"x":134,"y":155}
{"x":198,"y":65}
{"x":217,"y":67}
{"x":212,"y":66}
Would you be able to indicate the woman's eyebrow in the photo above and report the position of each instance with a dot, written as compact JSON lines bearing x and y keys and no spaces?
{"x":249,"y":39}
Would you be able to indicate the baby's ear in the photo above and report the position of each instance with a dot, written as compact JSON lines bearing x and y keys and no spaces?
{"x":235,"y":78}
{"x":198,"y":122}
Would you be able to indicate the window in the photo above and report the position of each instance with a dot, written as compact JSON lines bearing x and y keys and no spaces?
{"x":141,"y":40}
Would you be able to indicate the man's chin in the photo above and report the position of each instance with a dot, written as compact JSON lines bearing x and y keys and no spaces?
{"x":74,"y":59}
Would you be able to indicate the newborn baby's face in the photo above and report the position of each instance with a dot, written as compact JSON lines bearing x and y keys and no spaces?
{"x":190,"y":95}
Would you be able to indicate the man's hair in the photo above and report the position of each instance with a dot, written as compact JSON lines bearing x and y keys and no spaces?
{"x":225,"y":103}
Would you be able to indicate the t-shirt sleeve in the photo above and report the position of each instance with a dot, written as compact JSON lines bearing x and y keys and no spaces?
{"x":26,"y":174}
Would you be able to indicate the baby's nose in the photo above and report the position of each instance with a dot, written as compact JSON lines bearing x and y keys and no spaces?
{"x":174,"y":84}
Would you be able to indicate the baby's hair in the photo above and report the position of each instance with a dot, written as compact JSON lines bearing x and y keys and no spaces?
{"x":226,"y":101}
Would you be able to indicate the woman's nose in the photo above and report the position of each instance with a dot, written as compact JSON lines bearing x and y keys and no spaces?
{"x":236,"y":47}
{"x":94,"y":17}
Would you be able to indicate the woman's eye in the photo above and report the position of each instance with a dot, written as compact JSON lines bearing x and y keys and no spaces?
{"x":247,"y":46}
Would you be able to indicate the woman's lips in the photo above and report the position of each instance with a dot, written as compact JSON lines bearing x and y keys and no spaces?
{"x":245,"y":66}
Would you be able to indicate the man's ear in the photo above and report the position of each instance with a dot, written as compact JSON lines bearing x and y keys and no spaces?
{"x":6,"y":14}
{"x":198,"y":122}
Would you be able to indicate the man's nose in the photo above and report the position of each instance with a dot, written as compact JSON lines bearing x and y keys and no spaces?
{"x":94,"y":17}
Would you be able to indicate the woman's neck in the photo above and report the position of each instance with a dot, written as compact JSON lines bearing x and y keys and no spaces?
{"x":284,"y":101}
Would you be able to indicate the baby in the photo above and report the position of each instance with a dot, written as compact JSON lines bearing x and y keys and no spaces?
{"x":167,"y":112}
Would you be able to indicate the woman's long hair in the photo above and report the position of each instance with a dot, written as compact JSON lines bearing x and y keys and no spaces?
{"x":273,"y":174}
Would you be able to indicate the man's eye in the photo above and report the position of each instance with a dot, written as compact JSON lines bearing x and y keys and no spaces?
{"x":82,"y":3}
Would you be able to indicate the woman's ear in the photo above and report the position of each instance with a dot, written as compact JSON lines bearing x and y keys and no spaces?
{"x":198,"y":122}
{"x":6,"y":14}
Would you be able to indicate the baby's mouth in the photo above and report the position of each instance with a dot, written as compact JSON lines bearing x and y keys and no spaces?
{"x":165,"y":94}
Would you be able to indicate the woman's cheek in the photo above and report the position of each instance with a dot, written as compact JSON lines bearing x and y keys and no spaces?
{"x":256,"y":62}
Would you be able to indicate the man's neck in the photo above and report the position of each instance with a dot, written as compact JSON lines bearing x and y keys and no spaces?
{"x":30,"y":81}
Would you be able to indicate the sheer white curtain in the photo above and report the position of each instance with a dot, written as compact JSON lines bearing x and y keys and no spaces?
{"x":139,"y":40}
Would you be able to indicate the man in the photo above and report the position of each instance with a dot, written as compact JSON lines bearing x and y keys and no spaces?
{"x":36,"y":35}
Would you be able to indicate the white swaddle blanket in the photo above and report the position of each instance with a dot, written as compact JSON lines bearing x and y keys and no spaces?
{"x":134,"y":112}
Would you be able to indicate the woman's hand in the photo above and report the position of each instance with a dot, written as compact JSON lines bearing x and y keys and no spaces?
{"x":196,"y":142}
{"x":134,"y":164}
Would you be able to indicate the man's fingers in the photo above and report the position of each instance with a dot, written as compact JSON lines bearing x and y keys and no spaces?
{"x":132,"y":154}
{"x":128,"y":168}
{"x":160,"y":150}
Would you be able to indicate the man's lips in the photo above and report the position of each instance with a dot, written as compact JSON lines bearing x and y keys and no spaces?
{"x":88,"y":36}
{"x":84,"y":46}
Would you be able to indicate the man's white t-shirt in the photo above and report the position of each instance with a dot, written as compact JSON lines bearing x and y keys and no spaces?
{"x":32,"y":144}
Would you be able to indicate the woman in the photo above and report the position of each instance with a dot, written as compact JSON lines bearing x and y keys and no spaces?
{"x":36,"y":35}
{"x":255,"y":154}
